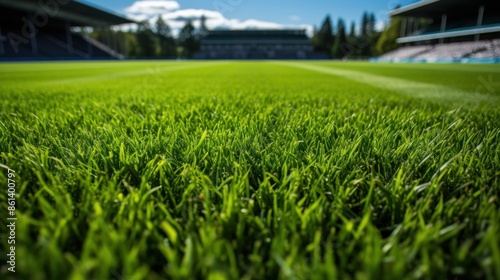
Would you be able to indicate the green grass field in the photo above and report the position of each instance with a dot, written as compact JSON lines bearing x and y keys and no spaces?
{"x":251,"y":170}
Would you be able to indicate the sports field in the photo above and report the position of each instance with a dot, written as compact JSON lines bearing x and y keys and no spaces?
{"x":250,"y":170}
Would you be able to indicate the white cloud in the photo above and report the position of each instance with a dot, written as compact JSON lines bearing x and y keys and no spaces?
{"x":309,"y":29}
{"x":192,"y":14}
{"x":138,"y":17}
{"x":380,"y":25}
{"x":176,"y":18}
{"x":215,"y":20}
{"x":256,"y":24}
{"x":152,"y":7}
{"x":295,"y":18}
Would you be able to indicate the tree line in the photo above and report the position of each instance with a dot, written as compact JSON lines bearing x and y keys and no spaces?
{"x":361,"y":41}
{"x":153,"y":42}
{"x":157,"y":41}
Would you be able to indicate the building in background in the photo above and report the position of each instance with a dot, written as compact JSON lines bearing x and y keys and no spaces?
{"x":41,"y":30}
{"x":257,"y":44}
{"x":448,"y":30}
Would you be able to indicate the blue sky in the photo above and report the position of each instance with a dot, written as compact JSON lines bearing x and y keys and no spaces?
{"x":248,"y":14}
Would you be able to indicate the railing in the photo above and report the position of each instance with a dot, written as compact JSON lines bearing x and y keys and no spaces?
{"x":103,"y":47}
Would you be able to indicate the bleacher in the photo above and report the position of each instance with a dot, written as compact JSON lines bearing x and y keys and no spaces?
{"x":448,"y":31}
{"x":492,"y":50}
{"x":406,"y":52}
{"x":453,"y":50}
{"x":54,"y":45}
{"x":53,"y":40}
{"x":480,"y":49}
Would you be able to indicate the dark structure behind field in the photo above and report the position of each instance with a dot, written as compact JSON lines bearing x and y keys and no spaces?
{"x":42,"y":30}
{"x":257,"y":44}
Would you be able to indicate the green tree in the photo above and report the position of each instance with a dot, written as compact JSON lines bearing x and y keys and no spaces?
{"x":104,"y":35}
{"x":350,"y":48}
{"x":387,"y":40}
{"x":372,"y":22}
{"x":166,"y":42}
{"x":146,"y":40}
{"x":131,"y":44}
{"x":352,"y":32}
{"x":338,"y":49}
{"x":364,"y":23}
{"x":119,"y":41}
{"x":323,"y":39}
{"x":203,"y":31}
{"x":364,"y":39}
{"x":374,"y":34}
{"x":187,"y":39}
{"x":368,"y":36}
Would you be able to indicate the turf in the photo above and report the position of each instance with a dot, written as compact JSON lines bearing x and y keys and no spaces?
{"x":252,"y":170}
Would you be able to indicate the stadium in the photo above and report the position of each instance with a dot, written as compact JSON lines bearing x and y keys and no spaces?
{"x":453,"y":31}
{"x":186,"y":140}
{"x":257,"y":44}
{"x":38,"y":30}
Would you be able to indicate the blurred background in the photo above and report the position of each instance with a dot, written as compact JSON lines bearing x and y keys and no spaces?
{"x":381,"y":30}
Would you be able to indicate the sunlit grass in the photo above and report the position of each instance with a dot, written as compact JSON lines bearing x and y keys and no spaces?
{"x":150,"y":170}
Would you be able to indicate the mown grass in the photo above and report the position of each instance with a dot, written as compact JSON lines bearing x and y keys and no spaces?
{"x":244,"y":170}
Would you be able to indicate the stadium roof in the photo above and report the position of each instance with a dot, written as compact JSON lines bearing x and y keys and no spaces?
{"x":433,"y":8}
{"x":76,"y":13}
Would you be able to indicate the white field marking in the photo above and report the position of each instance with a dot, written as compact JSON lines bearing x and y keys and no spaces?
{"x":430,"y":66}
{"x":407,"y":87}
{"x":53,"y":66}
{"x":152,"y":70}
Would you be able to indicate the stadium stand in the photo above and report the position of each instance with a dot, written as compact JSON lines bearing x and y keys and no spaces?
{"x":453,"y":50}
{"x":456,"y":31}
{"x":41,"y":30}
{"x":491,"y":50}
{"x":406,"y":52}
{"x":257,"y":44}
